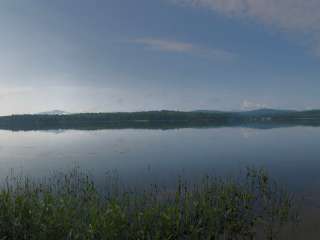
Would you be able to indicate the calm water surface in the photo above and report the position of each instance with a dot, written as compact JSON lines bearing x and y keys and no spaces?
{"x":142,"y":157}
{"x":292,"y":155}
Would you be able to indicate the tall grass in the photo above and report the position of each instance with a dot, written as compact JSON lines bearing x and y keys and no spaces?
{"x":69,"y":206}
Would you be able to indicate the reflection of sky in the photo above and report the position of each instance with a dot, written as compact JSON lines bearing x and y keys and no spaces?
{"x":141,"y":155}
{"x":249,"y":132}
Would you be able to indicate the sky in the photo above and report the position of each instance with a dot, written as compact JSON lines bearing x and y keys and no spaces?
{"x":124,"y":55}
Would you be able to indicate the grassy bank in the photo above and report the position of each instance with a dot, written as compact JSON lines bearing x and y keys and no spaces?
{"x":69,"y":206}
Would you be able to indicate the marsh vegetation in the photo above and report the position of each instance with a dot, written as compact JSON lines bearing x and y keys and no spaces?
{"x":71,"y":206}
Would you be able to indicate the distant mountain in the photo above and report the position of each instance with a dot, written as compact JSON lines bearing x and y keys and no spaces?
{"x":266,"y":112}
{"x":53,"y":112}
{"x":208,"y":111}
{"x":253,"y":113}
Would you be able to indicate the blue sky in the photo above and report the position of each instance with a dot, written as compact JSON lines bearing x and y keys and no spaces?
{"x":124,"y":55}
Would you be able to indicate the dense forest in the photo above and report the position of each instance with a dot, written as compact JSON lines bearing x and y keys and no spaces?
{"x":160,"y":120}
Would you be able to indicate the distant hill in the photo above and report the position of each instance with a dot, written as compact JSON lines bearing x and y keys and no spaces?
{"x":208,"y":111}
{"x":53,"y":112}
{"x":57,"y":119}
{"x":252,"y":113}
{"x":266,"y":112}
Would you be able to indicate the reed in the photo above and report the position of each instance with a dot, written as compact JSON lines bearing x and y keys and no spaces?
{"x":69,"y":206}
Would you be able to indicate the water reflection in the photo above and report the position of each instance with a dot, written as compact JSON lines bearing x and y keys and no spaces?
{"x":143,"y":156}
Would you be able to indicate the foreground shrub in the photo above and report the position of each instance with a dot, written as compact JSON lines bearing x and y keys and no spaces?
{"x":70,"y":207}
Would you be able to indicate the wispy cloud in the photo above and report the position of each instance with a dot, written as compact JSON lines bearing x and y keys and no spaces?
{"x":156,"y":44}
{"x":286,"y":15}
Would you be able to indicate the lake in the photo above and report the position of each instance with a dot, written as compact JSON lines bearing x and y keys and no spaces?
{"x":143,"y":157}
{"x":292,"y":155}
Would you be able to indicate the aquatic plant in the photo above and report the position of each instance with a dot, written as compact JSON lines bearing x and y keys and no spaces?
{"x":69,"y":206}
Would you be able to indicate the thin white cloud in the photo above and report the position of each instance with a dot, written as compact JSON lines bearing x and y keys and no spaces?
{"x":183,"y":47}
{"x":164,"y":45}
{"x":250,"y":105}
{"x":286,"y":15}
